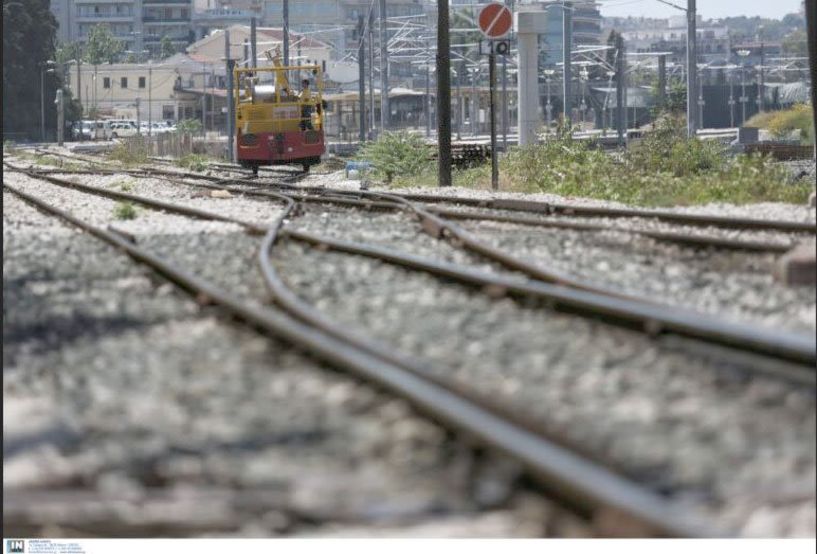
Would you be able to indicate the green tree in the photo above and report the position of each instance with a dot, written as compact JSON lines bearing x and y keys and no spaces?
{"x":192,"y":126}
{"x":795,"y":44}
{"x":68,"y":51}
{"x":102,"y":46}
{"x":166,"y":47}
{"x":29,"y":30}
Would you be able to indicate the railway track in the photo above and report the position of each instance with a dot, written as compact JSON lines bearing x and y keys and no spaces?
{"x":530,"y":207}
{"x":401,"y":375}
{"x":593,"y":300}
{"x":584,"y":485}
{"x":354,"y":200}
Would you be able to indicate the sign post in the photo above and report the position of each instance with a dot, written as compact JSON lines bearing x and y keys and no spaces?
{"x":495,"y":22}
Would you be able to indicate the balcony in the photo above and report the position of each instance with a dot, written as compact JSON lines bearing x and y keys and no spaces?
{"x":156,"y":20}
{"x":99,"y":18}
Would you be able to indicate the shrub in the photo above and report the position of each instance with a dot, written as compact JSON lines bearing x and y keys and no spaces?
{"x":666,"y":168}
{"x":782,"y":122}
{"x":192,"y":126}
{"x":193,"y":162}
{"x":134,"y":151}
{"x":125,"y":210}
{"x":666,"y":148}
{"x":397,"y":154}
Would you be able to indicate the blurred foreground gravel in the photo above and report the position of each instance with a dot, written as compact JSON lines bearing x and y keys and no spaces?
{"x":130,"y":411}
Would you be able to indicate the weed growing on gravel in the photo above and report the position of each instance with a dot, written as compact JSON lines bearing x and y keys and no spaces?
{"x":124,"y":186}
{"x":193,"y":162}
{"x":43,"y":159}
{"x":132,"y":152}
{"x":124,"y":210}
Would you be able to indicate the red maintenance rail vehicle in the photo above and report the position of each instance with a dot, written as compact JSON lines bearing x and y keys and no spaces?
{"x":276,"y":125}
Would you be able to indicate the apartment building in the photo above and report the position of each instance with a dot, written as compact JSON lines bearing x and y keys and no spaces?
{"x":140,"y":24}
{"x":167,"y":18}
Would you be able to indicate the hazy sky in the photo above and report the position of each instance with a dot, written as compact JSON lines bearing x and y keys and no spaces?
{"x":706,"y":8}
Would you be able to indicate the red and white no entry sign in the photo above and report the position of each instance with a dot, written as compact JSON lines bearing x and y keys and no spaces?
{"x":495,"y":20}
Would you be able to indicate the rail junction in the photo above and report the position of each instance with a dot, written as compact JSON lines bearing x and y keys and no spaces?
{"x":386,"y":287}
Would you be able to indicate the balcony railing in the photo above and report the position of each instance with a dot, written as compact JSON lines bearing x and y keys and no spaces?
{"x":159,"y":20}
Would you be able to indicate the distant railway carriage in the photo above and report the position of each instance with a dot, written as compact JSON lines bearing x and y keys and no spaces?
{"x":276,"y":124}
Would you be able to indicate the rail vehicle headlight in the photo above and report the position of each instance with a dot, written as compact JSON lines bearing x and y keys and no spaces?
{"x":249,"y":140}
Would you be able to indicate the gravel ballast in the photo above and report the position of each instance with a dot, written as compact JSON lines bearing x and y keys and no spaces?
{"x":131,"y":411}
{"x":122,"y":387}
{"x":614,"y":392}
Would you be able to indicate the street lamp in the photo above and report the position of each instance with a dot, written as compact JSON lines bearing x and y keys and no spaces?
{"x":45,"y":67}
{"x":743,"y":99}
{"x":548,"y":106}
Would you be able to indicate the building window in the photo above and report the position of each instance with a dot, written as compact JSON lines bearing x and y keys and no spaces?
{"x":106,"y":82}
{"x":141,"y":82}
{"x":123,"y":82}
{"x":168,"y":112}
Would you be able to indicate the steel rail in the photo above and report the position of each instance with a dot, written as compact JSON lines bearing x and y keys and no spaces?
{"x":439,"y":228}
{"x":430,"y":223}
{"x":551,"y":208}
{"x":143,"y":200}
{"x":665,"y":236}
{"x":601,"y":211}
{"x":619,"y":507}
{"x":637,"y":313}
{"x":597,"y":487}
{"x":647,"y":317}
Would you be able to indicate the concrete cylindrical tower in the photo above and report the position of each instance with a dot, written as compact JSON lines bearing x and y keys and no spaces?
{"x":528,"y":26}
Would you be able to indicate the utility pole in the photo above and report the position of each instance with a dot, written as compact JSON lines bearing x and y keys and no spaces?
{"x":474,"y":104}
{"x":246,"y":59}
{"x":620,"y":107}
{"x":60,"y":117}
{"x":361,"y":81}
{"x":811,"y":33}
{"x":760,"y":69}
{"x":285,"y":8}
{"x":150,"y":98}
{"x":138,"y":116}
{"x":692,"y":70}
{"x":253,"y":44}
{"x":371,"y":73}
{"x":212,"y":98}
{"x":427,"y":104}
{"x":662,"y":81}
{"x":230,"y":101}
{"x":492,"y":105}
{"x":505,"y":103}
{"x":384,"y":65}
{"x":567,"y":41}
{"x":79,"y":88}
{"x":443,"y":95}
{"x":42,"y":103}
